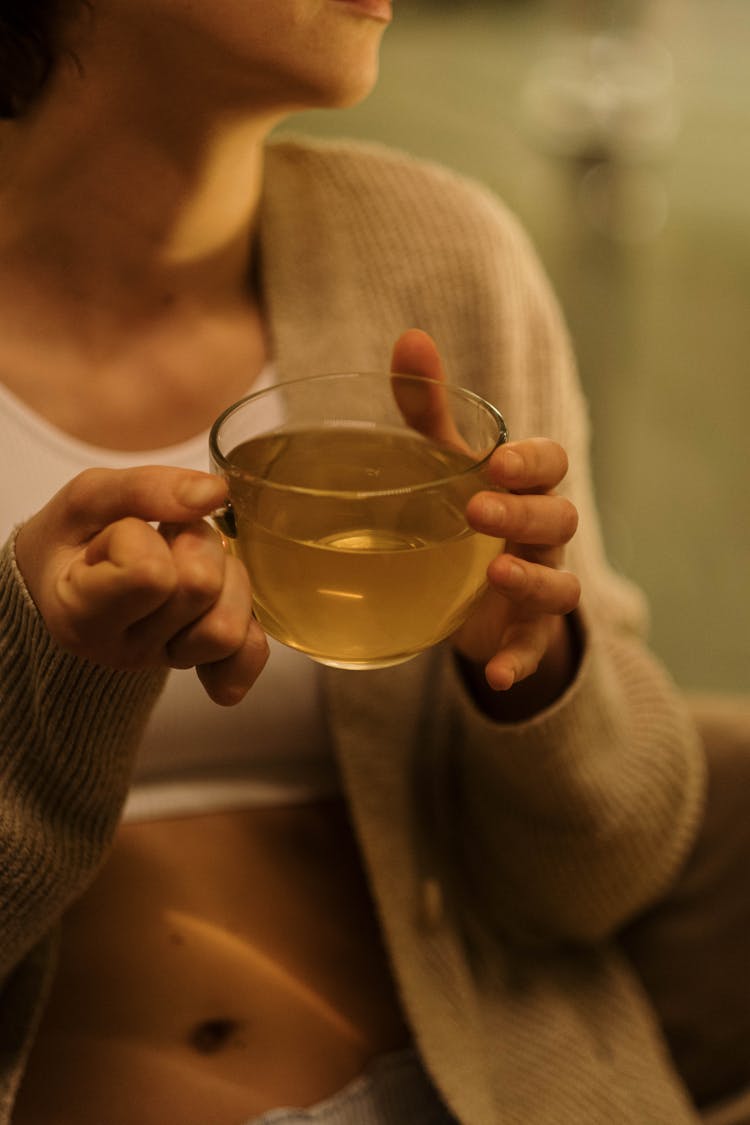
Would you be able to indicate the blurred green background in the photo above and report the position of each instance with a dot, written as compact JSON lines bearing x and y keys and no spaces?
{"x":618,"y":131}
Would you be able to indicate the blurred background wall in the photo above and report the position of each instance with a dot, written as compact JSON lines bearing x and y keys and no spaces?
{"x":619,"y":131}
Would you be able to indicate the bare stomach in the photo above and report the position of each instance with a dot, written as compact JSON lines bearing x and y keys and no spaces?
{"x":219,"y":966}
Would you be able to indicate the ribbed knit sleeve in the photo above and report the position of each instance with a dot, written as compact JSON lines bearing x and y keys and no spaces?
{"x":565,"y":825}
{"x":68,"y":730}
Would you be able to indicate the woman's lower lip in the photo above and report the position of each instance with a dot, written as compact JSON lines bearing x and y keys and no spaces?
{"x":376,"y":9}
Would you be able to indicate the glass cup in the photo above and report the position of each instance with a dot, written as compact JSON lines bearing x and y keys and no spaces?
{"x":347,"y":496}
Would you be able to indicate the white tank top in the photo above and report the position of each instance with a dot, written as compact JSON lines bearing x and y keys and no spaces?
{"x":195,"y":756}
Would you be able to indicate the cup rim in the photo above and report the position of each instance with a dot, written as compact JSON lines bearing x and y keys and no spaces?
{"x":225,"y":466}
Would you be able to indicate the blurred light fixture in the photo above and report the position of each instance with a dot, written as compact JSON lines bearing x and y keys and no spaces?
{"x":608,"y":95}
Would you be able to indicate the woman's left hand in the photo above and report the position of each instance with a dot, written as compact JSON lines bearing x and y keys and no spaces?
{"x":519,"y":619}
{"x":518,"y":625}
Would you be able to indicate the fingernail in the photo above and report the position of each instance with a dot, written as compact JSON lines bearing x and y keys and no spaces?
{"x":488,"y":511}
{"x":513,"y":463}
{"x":516,"y":574}
{"x":200,"y":493}
{"x":500,"y":682}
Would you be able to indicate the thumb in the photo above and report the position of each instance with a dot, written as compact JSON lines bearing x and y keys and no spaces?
{"x":154,"y":493}
{"x":416,"y":353}
{"x":425,"y":406}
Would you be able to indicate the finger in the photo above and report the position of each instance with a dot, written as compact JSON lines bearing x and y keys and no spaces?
{"x":416,"y":353}
{"x":153,"y":493}
{"x":536,"y":519}
{"x":539,"y":589}
{"x":126,"y":573}
{"x":523,"y":647}
{"x":537,"y":464}
{"x":199,"y":562}
{"x":423,"y":405}
{"x":220,"y":631}
{"x":228,"y":681}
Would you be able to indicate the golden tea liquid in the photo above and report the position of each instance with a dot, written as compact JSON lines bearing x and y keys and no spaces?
{"x":369,"y":559}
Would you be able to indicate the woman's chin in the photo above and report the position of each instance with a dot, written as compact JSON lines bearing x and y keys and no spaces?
{"x":345,"y":88}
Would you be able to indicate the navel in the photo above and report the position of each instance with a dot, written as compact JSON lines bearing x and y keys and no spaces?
{"x":211,"y":1036}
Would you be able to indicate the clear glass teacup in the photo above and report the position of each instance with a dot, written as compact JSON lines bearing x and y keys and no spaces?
{"x":347,"y":497}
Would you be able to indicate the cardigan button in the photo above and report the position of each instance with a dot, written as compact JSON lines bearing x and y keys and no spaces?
{"x":432,"y":903}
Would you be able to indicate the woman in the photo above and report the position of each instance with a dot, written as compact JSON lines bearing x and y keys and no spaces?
{"x":515,"y":794}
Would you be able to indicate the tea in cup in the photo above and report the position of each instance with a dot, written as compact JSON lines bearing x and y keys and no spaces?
{"x":347,"y":497}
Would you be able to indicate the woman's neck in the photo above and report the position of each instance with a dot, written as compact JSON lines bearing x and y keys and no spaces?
{"x":126,"y":192}
{"x":127,"y":231}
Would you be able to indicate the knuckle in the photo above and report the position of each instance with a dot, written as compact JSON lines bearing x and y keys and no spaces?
{"x":201,"y":579}
{"x":487,"y":510}
{"x":150,"y":572}
{"x":78,"y":492}
{"x":227,"y":682}
{"x":228,"y":630}
{"x":221,"y":634}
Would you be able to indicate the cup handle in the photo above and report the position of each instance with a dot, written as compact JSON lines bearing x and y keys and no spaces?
{"x":225,"y":522}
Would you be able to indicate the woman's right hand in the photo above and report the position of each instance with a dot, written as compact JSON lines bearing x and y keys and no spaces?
{"x":119,"y":591}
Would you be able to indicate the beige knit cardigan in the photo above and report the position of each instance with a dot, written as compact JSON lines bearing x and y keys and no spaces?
{"x":502,"y":856}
